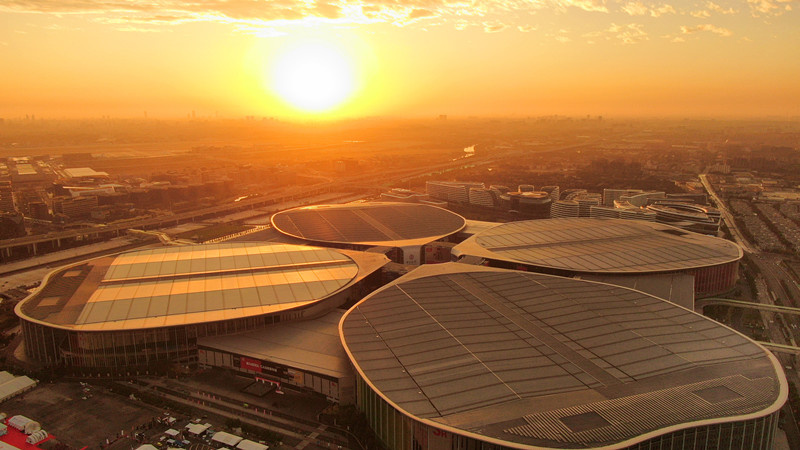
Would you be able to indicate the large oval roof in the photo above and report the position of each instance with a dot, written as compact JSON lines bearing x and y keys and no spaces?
{"x":528,"y":360}
{"x":188,"y":284}
{"x":375,"y":224}
{"x":599,"y":246}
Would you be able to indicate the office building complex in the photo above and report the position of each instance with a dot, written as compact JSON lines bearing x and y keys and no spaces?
{"x":451,"y":191}
{"x":535,"y":205}
{"x":585,"y":203}
{"x":487,"y":198}
{"x":612,"y":247}
{"x":553,"y":192}
{"x":688,"y":216}
{"x":564,"y":209}
{"x":143,"y":311}
{"x":467,"y":357}
{"x":612,"y":195}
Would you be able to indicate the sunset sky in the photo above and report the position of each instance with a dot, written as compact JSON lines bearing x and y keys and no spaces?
{"x":336,"y":59}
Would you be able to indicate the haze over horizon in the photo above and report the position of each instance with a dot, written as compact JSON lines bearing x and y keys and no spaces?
{"x":344,"y":59}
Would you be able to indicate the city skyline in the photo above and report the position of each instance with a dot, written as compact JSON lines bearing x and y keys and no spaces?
{"x":227,"y":59}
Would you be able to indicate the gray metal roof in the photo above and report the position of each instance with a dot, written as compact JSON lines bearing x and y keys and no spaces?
{"x":390,"y":224}
{"x":310,"y":345}
{"x":525,"y":359}
{"x":194,"y":284}
{"x":599,"y":245}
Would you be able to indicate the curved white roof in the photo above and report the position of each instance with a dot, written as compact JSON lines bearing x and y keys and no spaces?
{"x":528,"y":360}
{"x":599,"y":246}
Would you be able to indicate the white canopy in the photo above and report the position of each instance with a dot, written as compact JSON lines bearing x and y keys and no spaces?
{"x":226,"y":438}
{"x":172,"y":432}
{"x":196,"y":428}
{"x":247,"y":444}
{"x":9,"y":387}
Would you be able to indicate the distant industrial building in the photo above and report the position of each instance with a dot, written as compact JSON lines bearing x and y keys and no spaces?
{"x":463,"y":357}
{"x":145,"y":311}
{"x":80,"y":174}
{"x":611,"y":247}
{"x":403,"y":195}
{"x":403,"y":229}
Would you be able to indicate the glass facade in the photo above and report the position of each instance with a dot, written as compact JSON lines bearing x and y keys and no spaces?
{"x":400,"y":432}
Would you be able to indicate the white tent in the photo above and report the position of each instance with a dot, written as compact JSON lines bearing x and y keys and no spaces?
{"x":247,"y":444}
{"x":10,"y":387}
{"x":24,"y":424}
{"x":37,"y":437}
{"x":172,"y":432}
{"x":226,"y":438}
{"x":197,"y":429}
{"x":147,"y":447}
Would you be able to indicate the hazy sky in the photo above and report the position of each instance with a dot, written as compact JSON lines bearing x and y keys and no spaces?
{"x":87,"y":58}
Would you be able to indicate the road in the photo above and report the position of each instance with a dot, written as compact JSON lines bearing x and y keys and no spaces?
{"x":727,"y":216}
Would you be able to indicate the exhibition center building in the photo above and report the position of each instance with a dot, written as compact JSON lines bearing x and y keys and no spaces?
{"x":142,"y":311}
{"x":454,"y":356}
{"x":404,"y":228}
{"x":613,"y":248}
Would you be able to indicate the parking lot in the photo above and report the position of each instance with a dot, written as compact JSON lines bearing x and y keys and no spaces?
{"x":79,"y":415}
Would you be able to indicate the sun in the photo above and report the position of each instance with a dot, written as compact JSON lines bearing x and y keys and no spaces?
{"x":313,"y":76}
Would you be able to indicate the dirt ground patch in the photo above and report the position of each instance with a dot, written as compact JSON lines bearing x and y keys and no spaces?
{"x":62,"y":411}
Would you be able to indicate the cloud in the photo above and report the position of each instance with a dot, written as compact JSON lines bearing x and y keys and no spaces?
{"x":586,"y":5}
{"x":637,"y":8}
{"x":706,"y":28}
{"x":420,"y":13}
{"x":249,"y":15}
{"x":627,"y":34}
{"x":494,"y":27}
{"x":769,"y":7}
{"x":526,"y":28}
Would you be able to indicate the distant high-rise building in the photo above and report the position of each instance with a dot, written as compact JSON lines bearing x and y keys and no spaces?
{"x":6,"y":197}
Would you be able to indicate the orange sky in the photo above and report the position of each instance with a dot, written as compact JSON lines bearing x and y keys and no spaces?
{"x":81,"y":58}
